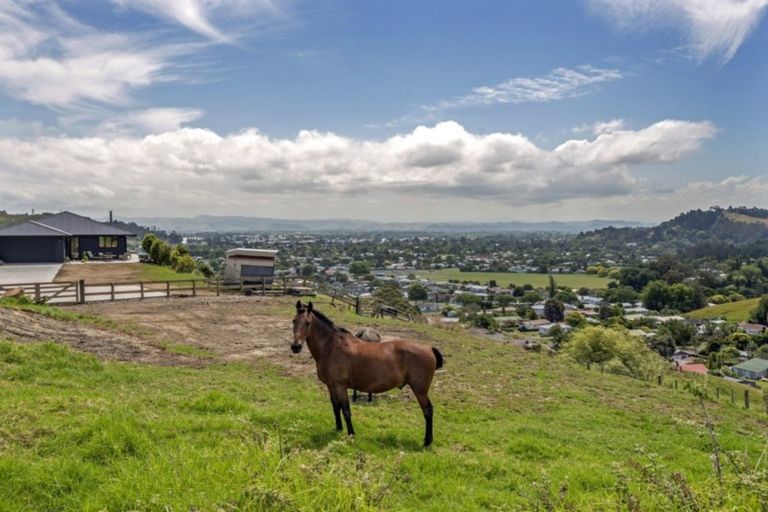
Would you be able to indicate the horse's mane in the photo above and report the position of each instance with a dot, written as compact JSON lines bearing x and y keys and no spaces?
{"x":328,"y":322}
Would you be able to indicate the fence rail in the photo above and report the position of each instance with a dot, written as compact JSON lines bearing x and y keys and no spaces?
{"x":80,"y":292}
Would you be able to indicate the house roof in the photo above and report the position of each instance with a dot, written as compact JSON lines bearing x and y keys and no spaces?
{"x":63,"y":224}
{"x":751,"y":327}
{"x":756,"y":365}
{"x":32,"y":228}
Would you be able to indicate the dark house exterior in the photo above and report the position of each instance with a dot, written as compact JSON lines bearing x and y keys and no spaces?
{"x":60,"y":236}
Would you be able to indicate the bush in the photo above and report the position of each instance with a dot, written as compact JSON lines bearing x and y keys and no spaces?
{"x":185,"y":264}
{"x":626,"y":354}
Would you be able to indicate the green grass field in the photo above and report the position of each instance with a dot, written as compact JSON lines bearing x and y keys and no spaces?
{"x":514,"y":431}
{"x":151,"y":272}
{"x":504,"y":278}
{"x":738,"y":311}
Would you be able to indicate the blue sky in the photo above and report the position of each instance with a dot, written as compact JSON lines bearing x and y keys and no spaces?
{"x":390,"y":110}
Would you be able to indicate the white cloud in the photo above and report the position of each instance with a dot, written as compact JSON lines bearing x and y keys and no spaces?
{"x":248,"y":171}
{"x":197,"y":15}
{"x":714,"y":28}
{"x":558,"y":84}
{"x":51,"y":59}
{"x":152,"y":120}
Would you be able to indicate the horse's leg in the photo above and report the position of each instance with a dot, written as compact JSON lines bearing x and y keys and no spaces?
{"x":336,"y":409}
{"x":428,"y":410}
{"x":343,"y":397}
{"x":354,"y":395}
{"x":370,"y":397}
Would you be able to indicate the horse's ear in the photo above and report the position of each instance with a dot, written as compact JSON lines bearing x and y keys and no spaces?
{"x":309,"y":307}
{"x":299,"y":307}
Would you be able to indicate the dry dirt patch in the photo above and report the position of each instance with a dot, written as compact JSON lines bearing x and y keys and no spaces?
{"x":231,"y":328}
{"x":108,"y":344}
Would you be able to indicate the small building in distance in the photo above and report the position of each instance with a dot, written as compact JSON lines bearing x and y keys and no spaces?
{"x":754,"y":369}
{"x":250,"y":265}
{"x":55,"y":238}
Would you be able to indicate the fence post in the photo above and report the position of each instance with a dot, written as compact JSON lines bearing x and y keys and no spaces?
{"x":81,"y":289}
{"x":285,"y":286}
{"x":141,"y":289}
{"x":37,"y":292}
{"x":357,"y":305}
{"x":263,"y":286}
{"x":112,"y":292}
{"x":167,"y":289}
{"x":746,"y":399}
{"x":194,"y":288}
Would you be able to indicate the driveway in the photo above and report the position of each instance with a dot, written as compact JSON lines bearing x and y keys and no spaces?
{"x":30,"y":273}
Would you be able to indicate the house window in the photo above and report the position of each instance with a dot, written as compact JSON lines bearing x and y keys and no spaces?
{"x":107,"y":242}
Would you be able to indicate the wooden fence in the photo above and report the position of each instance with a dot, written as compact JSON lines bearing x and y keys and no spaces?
{"x":81,"y":292}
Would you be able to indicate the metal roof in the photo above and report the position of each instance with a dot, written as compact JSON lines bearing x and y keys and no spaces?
{"x":756,"y":365}
{"x":64,"y":224}
{"x":31,"y":228}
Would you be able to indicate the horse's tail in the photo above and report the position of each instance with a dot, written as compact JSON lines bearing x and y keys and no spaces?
{"x":438,"y":357}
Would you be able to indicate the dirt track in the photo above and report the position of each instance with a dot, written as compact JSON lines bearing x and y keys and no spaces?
{"x":231,"y":328}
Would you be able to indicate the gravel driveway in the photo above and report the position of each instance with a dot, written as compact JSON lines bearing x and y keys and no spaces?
{"x":31,"y":273}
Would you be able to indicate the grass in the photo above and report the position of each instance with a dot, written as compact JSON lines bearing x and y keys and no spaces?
{"x":151,"y":272}
{"x":514,"y":431}
{"x":738,"y":311}
{"x":519,"y":279}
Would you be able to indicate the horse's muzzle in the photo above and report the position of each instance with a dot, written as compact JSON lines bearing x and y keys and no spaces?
{"x":296,"y":347}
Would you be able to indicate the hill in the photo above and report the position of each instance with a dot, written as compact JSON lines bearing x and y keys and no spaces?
{"x":212,"y":223}
{"x":732,"y":224}
{"x":738,"y":311}
{"x":7,"y":219}
{"x":228,"y":420}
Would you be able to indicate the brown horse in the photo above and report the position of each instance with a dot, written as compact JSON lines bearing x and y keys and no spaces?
{"x":371,"y":336}
{"x":344,"y":362}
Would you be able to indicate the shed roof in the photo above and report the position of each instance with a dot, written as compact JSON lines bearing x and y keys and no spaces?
{"x":63,"y":224}
{"x":756,"y":365}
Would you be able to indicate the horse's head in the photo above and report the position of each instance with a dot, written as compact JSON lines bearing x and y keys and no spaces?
{"x":302,"y":322}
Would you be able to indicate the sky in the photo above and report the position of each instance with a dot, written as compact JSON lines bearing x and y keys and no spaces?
{"x":389,"y":110}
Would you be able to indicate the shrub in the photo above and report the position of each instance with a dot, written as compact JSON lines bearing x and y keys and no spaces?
{"x":626,"y":354}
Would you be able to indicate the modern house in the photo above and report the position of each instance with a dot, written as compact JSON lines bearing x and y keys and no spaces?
{"x":250,"y":264}
{"x":55,"y":238}
{"x":754,"y":369}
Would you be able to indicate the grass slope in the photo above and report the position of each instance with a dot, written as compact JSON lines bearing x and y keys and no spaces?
{"x":514,"y":431}
{"x":504,"y":278}
{"x":738,"y":311}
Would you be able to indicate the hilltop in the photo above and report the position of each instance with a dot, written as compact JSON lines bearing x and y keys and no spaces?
{"x":732,"y":224}
{"x":213,"y":413}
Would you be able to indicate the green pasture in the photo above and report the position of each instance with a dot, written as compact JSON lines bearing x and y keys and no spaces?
{"x":519,"y":279}
{"x":513,"y":431}
{"x":738,"y":311}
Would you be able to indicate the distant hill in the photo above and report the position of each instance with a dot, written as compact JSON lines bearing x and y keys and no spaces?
{"x":732,"y":224}
{"x":8,"y":219}
{"x":212,"y":223}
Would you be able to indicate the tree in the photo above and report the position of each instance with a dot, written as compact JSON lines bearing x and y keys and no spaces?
{"x":615,"y":351}
{"x":554,"y":311}
{"x":552,"y":288}
{"x":156,"y":250}
{"x":575,"y":319}
{"x":186,"y":264}
{"x":147,"y":241}
{"x":656,"y":295}
{"x":417,"y":292}
{"x":760,"y":313}
{"x":359,"y":268}
{"x":504,"y":301}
